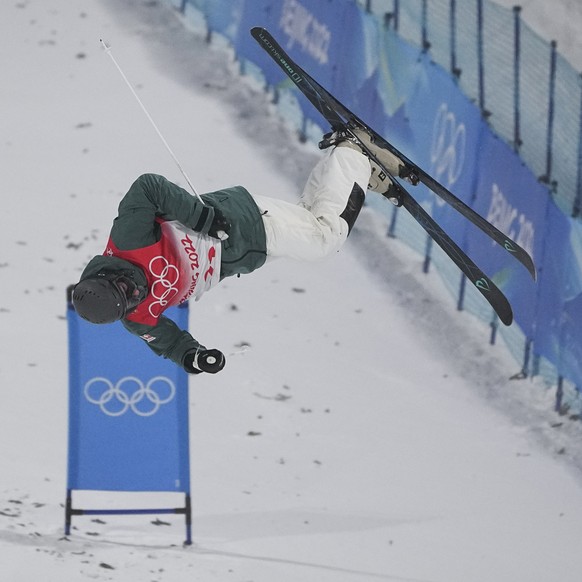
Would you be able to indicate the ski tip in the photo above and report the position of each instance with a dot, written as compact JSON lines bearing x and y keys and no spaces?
{"x":506,"y":317}
{"x":502,"y":307}
{"x":256,"y":30}
{"x":496,"y":299}
{"x":532,"y":269}
{"x":522,"y":256}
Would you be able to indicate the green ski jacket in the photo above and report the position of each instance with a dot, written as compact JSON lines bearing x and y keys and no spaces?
{"x":152,"y":196}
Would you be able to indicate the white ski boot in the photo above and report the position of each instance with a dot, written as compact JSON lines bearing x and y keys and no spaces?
{"x":380,"y":181}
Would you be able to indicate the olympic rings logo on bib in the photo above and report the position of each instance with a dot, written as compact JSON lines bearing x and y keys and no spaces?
{"x":164,"y":287}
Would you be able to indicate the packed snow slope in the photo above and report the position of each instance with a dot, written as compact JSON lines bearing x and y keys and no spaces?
{"x":369,"y":433}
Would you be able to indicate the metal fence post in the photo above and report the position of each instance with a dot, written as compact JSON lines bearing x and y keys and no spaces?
{"x":526,"y":357}
{"x":516,"y":74}
{"x":461,"y":297}
{"x":480,"y":57}
{"x":551,"y":105}
{"x":578,"y":200}
{"x":455,"y":71}
{"x":494,"y":327}
{"x":396,"y":13}
{"x":559,"y":394}
{"x":425,"y":42}
{"x":392,"y":228}
{"x":427,"y":255}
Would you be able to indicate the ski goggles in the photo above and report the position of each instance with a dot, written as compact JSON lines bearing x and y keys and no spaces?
{"x":124,"y":288}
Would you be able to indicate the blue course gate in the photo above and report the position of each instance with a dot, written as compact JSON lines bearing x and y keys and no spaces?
{"x":128,"y":418}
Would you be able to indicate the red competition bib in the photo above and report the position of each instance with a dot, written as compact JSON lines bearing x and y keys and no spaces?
{"x":181,"y":265}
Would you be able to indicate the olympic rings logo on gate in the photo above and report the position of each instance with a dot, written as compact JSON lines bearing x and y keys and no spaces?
{"x":163,"y":288}
{"x":129,"y":393}
{"x":447,"y":152}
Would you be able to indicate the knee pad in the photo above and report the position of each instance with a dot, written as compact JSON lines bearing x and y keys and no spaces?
{"x":353,"y":207}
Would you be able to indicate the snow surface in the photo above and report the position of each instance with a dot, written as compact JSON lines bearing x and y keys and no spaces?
{"x":391,"y":443}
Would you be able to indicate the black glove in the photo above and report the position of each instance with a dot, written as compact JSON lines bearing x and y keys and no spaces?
{"x":209,"y":361}
{"x":220,"y":226}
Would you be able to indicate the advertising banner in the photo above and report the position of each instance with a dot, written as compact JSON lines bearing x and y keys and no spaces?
{"x":223,"y":16}
{"x":508,"y":196}
{"x":312,"y":32}
{"x":399,"y":70}
{"x":558,"y":323}
{"x":446,"y":130}
{"x":128,"y":411}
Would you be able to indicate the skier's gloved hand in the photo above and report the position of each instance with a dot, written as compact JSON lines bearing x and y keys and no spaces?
{"x":202,"y":360}
{"x":220,"y":226}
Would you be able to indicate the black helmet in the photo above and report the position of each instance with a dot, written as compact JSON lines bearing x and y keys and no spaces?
{"x":106,"y":297}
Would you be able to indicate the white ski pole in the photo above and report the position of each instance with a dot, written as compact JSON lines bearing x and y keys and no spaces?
{"x":108,"y":51}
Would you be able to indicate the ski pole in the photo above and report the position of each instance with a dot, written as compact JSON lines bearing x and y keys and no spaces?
{"x":108,"y":51}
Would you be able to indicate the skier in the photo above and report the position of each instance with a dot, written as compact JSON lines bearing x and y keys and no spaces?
{"x":166,"y":246}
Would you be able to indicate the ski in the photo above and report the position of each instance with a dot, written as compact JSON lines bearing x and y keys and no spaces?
{"x":482,"y":282}
{"x":342,"y":119}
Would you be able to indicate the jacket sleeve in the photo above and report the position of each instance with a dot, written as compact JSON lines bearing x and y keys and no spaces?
{"x":166,"y":339}
{"x":152,"y":196}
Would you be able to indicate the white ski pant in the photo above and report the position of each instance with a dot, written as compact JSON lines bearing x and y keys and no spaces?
{"x":313,"y":228}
